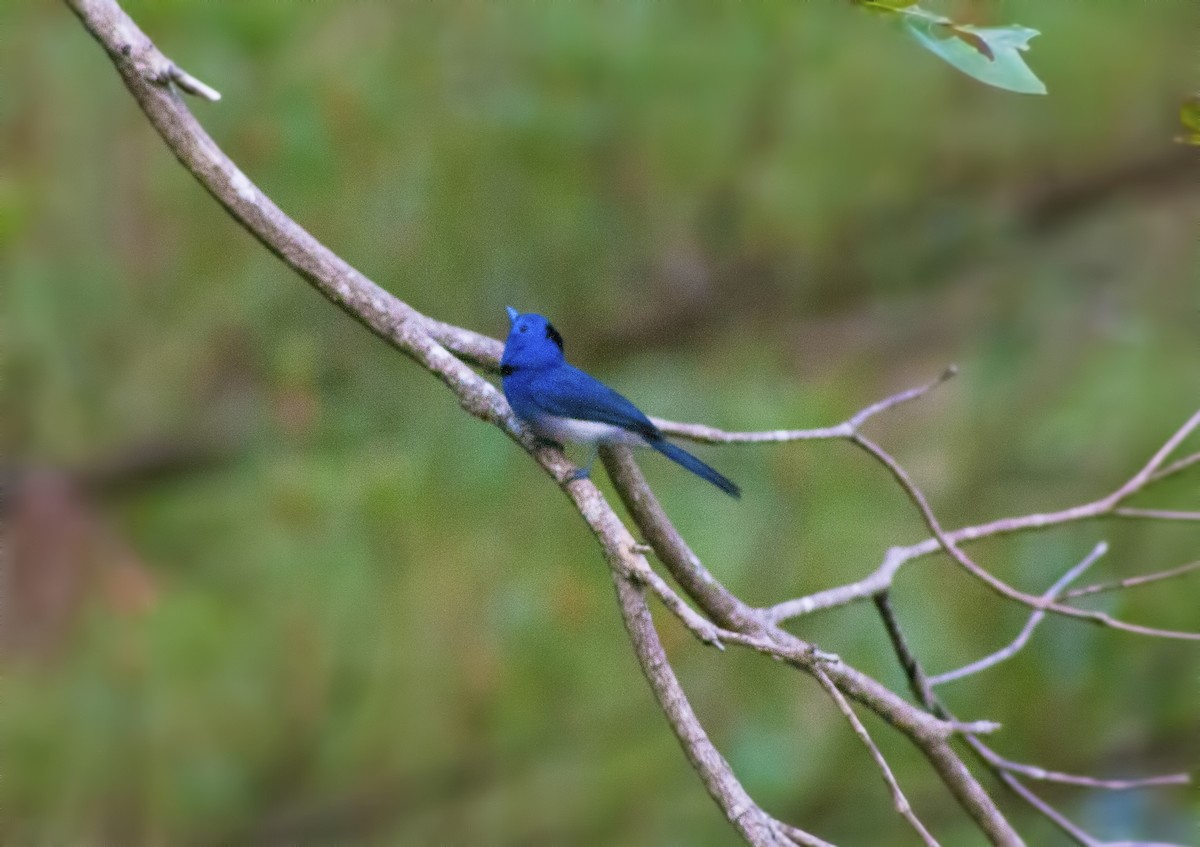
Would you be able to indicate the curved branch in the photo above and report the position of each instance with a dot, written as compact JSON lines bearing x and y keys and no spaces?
{"x":752,"y":822}
{"x":846,"y":429}
{"x":437,"y":346}
{"x":1005,"y":770}
{"x":147,"y":74}
{"x":1109,"y":506}
{"x":995,"y":583}
{"x":1053,"y":592}
{"x":930,"y":735}
{"x":445,"y":351}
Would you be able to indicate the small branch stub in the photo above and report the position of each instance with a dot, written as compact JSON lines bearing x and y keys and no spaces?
{"x":191,"y":85}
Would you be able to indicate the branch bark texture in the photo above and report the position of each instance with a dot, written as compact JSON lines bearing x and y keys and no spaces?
{"x":449,"y":352}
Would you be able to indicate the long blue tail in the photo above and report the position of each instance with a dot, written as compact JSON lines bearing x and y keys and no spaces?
{"x":683,"y":457}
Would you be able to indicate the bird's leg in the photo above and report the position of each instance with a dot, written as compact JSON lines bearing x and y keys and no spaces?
{"x":584,"y":471}
{"x":579,"y":473}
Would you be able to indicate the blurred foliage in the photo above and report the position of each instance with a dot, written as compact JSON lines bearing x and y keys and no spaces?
{"x":374,"y":619}
{"x":1189,"y":116}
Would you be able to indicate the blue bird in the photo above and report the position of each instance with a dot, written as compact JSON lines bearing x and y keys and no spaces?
{"x":561,"y":403}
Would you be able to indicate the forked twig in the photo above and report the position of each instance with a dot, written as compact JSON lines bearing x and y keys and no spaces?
{"x":753,"y":629}
{"x":1036,"y":618}
{"x":897,"y":557}
{"x":990,"y":580}
{"x":1005,"y":769}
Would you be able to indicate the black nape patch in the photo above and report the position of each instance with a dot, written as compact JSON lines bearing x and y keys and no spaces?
{"x":553,"y":335}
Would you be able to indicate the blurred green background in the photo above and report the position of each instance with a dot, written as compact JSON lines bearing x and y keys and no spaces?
{"x":278,"y":588}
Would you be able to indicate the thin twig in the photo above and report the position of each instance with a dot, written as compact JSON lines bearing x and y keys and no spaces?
{"x":1155,"y":514}
{"x":986,"y":577}
{"x":920,"y":391}
{"x":919,"y":684}
{"x":729,"y":611}
{"x":1131,"y":581}
{"x":1073,"y":831}
{"x":739,"y":623}
{"x":703,"y":629}
{"x":1005,"y":769}
{"x":1044,"y":775}
{"x":1176,"y":467}
{"x":1052,"y":593}
{"x":709,"y":633}
{"x":899,"y":801}
{"x":881,"y":578}
{"x":1139,"y":480}
{"x":847,"y":428}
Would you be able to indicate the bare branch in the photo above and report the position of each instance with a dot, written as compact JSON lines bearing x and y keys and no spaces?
{"x":987,"y":578}
{"x":145,"y":72}
{"x":1146,"y":474}
{"x":847,"y":428}
{"x":711,"y":634}
{"x":1005,"y":769}
{"x":741,"y":811}
{"x":1131,"y":582}
{"x":899,"y":801}
{"x":444,"y":350}
{"x":703,"y":629}
{"x":881,"y":578}
{"x":1052,"y":593}
{"x":919,"y":684}
{"x":1176,"y":467}
{"x":740,"y":623}
{"x":733,"y":614}
{"x":869,"y":586}
{"x":1034,"y":772}
{"x":1080,"y":836}
{"x":871,"y":411}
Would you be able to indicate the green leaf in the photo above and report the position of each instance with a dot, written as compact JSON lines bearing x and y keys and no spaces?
{"x":1189,"y":116}
{"x":990,"y":54}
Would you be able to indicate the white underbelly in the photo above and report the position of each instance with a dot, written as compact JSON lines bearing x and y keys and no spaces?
{"x":570,"y":430}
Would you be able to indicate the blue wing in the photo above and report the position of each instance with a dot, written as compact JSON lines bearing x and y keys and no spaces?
{"x":568,"y":392}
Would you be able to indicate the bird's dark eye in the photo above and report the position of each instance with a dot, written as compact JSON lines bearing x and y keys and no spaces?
{"x":522,"y":328}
